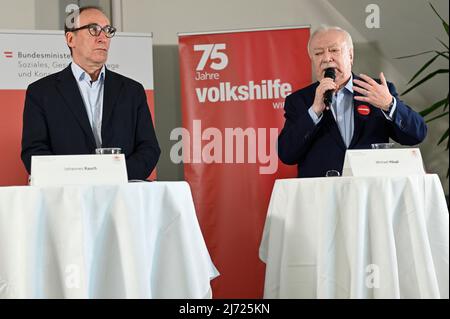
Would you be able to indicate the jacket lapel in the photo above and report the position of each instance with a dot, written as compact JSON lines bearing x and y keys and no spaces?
{"x":111,"y":93}
{"x":329,"y":122}
{"x":333,"y":128}
{"x":68,"y":88}
{"x":359,"y":120}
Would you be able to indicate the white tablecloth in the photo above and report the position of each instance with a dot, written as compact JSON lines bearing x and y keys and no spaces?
{"x":357,"y":237}
{"x":140,"y":240}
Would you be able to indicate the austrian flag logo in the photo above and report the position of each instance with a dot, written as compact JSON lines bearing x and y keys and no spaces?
{"x":8,"y":54}
{"x":363,"y":110}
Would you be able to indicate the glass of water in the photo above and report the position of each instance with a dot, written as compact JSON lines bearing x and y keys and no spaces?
{"x":332,"y":173}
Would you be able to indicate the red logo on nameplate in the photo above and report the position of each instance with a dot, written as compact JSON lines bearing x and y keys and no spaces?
{"x":363,"y":109}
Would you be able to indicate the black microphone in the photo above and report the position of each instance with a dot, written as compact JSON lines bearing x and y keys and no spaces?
{"x":328,"y":95}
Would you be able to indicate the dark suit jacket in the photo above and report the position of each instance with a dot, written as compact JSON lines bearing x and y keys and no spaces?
{"x":318,"y":148}
{"x":55,"y":121}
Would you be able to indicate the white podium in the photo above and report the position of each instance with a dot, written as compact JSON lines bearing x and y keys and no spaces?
{"x":357,"y":237}
{"x":138,"y":240}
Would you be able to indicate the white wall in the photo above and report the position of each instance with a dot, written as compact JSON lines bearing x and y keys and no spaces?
{"x":17,"y":14}
{"x":47,"y":15}
{"x":39,"y":14}
{"x":407,"y":27}
{"x":166,"y":18}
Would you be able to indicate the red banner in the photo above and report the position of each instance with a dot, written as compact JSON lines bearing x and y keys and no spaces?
{"x":12,"y":171}
{"x":233,"y":86}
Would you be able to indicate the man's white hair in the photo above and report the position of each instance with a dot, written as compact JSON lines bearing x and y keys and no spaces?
{"x":325,"y":28}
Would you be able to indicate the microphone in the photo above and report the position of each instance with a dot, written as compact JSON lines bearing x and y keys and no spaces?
{"x":328,"y":96}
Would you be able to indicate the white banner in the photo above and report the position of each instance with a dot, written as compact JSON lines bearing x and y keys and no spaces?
{"x":27,"y":56}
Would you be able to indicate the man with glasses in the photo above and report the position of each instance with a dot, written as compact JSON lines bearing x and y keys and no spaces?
{"x":86,"y":106}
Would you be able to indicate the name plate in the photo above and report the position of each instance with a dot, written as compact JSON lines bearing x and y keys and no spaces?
{"x":78,"y":170}
{"x":383,"y":162}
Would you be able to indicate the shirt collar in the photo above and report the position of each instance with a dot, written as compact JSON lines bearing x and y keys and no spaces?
{"x":82,"y":75}
{"x":349,"y":86}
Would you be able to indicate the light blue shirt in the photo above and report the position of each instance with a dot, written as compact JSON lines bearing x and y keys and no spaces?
{"x":343,"y":112}
{"x":92,"y":94}
{"x":342,"y":108}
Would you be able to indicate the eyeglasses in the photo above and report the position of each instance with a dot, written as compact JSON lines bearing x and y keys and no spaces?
{"x":95,"y":30}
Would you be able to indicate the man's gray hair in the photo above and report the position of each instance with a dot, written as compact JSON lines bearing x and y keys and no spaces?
{"x":325,"y":28}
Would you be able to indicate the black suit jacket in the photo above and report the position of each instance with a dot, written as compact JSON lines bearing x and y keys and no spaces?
{"x":55,"y":121}
{"x":318,"y":148}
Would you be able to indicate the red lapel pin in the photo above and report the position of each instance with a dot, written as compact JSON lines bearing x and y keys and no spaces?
{"x":363,"y":109}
